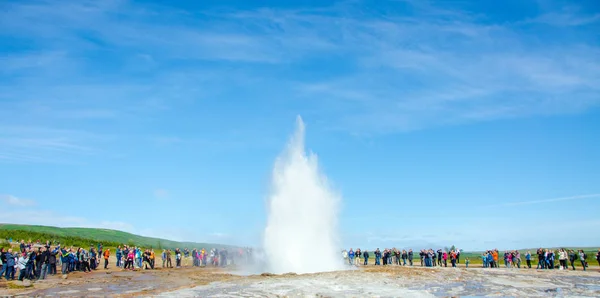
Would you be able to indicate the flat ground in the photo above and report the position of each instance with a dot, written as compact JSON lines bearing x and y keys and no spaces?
{"x":368,"y":281}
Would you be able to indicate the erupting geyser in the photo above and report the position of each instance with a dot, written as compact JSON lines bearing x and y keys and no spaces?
{"x":302,"y":229}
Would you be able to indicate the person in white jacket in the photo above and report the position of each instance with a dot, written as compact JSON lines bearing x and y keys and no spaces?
{"x":562,"y":258}
{"x":21,"y":264}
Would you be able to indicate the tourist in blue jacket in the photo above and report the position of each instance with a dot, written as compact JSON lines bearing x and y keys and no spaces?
{"x":377,"y":257}
{"x":10,"y":265}
{"x":351,"y":256}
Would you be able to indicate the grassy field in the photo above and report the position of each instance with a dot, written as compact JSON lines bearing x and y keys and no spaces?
{"x":88,"y":236}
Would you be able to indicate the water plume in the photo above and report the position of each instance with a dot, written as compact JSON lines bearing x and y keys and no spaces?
{"x":301,"y":235}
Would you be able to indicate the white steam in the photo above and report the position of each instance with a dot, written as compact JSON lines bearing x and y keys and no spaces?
{"x":302,"y":229}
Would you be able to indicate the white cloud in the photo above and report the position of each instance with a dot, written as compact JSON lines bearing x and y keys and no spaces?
{"x":429,"y":67}
{"x":218,"y":235}
{"x":581,"y":197}
{"x":161,"y":194}
{"x":17,"y":202}
{"x":115,"y":225}
{"x":42,"y":217}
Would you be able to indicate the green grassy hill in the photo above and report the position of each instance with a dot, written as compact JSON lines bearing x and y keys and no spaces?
{"x":89,"y":236}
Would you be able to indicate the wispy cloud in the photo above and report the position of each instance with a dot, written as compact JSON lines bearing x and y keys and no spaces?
{"x":581,"y":197}
{"x":17,"y":202}
{"x":351,"y":68}
{"x":219,"y":235}
{"x":161,"y":194}
{"x":40,"y":144}
{"x":567,"y":17}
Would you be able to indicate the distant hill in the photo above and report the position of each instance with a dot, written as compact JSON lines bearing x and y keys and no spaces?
{"x":88,"y":236}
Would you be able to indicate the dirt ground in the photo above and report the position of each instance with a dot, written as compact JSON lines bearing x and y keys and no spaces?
{"x":123,"y":283}
{"x":176,"y":281}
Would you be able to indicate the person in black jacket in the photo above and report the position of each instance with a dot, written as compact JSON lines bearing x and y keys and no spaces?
{"x":44,"y":256}
{"x":410,"y":256}
{"x":3,"y":261}
{"x":366,"y":257}
{"x":29,"y":267}
{"x":38,"y":263}
{"x":52,"y":261}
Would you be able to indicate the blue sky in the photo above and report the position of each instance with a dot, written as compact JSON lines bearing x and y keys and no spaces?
{"x":474,"y":123}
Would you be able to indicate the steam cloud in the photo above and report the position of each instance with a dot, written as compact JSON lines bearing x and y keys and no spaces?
{"x":302,"y":227}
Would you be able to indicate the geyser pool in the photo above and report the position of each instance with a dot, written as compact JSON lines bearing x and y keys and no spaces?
{"x":301,"y":235}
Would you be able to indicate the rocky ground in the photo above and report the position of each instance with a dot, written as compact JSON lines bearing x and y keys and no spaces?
{"x":409,"y":282}
{"x":365,"y":282}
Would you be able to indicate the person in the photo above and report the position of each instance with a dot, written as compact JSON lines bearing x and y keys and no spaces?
{"x":385,"y":256}
{"x":22,"y":265}
{"x":550,"y":258}
{"x":351,"y":257}
{"x":467,"y":262}
{"x":597,"y":257}
{"x":52,"y":261}
{"x":119,"y":254}
{"x":64,"y":259}
{"x":178,"y":257}
{"x":484,"y":262}
{"x":106,"y":256}
{"x":152,"y":258}
{"x":410,"y":257}
{"x":517,"y":259}
{"x":572,"y":258}
{"x":169,"y":261}
{"x":29,"y":269}
{"x":100,"y":252}
{"x":495,"y":257}
{"x":93,"y":259}
{"x":2,"y":261}
{"x":129,"y":260}
{"x":10,"y":264}
{"x":357,"y":255}
{"x":445,"y":257}
{"x":377,"y":257}
{"x":541,"y":262}
{"x":365,"y":256}
{"x":138,"y":257}
{"x":163,"y":257}
{"x":582,"y":258}
{"x":85,"y":261}
{"x":528,"y":259}
{"x":562,"y":259}
{"x":44,"y":261}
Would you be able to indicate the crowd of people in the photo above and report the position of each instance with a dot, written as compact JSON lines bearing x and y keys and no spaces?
{"x":428,"y":257}
{"x":546,"y":259}
{"x":35,"y":261}
{"x":431,"y":258}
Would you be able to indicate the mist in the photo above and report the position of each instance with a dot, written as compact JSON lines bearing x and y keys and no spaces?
{"x":302,"y":233}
